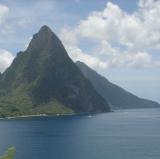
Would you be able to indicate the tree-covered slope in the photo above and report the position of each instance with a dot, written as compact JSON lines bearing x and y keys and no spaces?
{"x":43,"y":79}
{"x":115,"y":95}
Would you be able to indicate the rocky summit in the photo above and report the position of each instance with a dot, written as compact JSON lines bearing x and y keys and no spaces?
{"x":44,"y":80}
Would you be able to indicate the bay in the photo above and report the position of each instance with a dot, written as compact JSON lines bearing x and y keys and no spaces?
{"x":123,"y":134}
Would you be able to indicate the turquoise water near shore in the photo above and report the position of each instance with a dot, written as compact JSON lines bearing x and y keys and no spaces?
{"x":123,"y":134}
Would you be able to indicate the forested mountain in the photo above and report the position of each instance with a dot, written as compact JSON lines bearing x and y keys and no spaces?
{"x":44,"y":80}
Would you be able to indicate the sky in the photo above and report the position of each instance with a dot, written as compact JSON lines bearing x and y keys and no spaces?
{"x":120,"y":39}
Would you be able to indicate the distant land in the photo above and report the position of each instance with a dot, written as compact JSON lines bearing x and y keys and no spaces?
{"x":117,"y":97}
{"x":44,"y":80}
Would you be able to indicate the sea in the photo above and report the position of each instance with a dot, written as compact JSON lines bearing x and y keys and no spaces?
{"x":122,"y":134}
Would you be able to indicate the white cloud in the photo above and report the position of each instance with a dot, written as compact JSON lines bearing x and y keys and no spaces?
{"x":136,"y":60}
{"x":114,"y":24}
{"x":147,"y":3}
{"x":4,"y":29}
{"x":68,"y":36}
{"x":120,"y":39}
{"x":3,"y":12}
{"x":78,"y":55}
{"x":5,"y":59}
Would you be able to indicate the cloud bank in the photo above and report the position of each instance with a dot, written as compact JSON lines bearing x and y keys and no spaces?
{"x":5,"y":59}
{"x":119,"y":39}
{"x":112,"y":37}
{"x":5,"y":56}
{"x":3,"y":12}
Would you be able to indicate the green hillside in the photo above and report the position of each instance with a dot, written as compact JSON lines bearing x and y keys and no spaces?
{"x":115,"y":95}
{"x":44,"y":80}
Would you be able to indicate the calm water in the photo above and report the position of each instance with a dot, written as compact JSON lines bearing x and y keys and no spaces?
{"x":124,"y":134}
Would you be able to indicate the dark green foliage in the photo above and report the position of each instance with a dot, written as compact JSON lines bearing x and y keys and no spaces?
{"x":43,"y":79}
{"x":9,"y":153}
{"x":116,"y":96}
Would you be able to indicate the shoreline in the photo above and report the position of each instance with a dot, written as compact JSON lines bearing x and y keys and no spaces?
{"x":52,"y":115}
{"x":36,"y":115}
{"x":71,"y":114}
{"x":45,"y":115}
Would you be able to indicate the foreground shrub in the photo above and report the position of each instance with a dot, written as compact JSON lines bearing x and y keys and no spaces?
{"x":9,"y":153}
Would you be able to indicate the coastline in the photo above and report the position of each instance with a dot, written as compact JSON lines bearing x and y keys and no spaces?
{"x":52,"y":115}
{"x":36,"y":115}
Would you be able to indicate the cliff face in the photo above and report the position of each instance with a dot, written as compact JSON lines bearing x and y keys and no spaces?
{"x":115,"y":95}
{"x":43,"y":79}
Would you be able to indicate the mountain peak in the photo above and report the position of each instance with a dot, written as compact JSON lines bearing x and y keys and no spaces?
{"x":44,"y":38}
{"x":45,"y":29}
{"x":44,"y":80}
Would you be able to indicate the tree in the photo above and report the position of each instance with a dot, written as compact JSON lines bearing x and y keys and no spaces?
{"x":9,"y":153}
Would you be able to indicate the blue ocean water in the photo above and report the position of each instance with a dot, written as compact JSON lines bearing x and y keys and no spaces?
{"x":123,"y":134}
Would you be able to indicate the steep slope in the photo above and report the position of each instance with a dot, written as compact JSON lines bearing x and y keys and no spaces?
{"x":115,"y":95}
{"x":43,"y":79}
